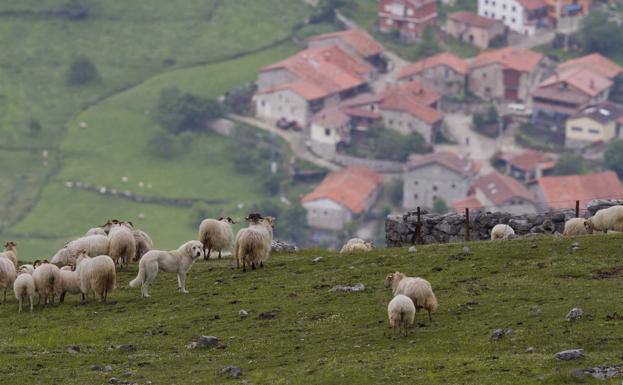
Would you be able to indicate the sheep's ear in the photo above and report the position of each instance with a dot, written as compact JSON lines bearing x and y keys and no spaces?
{"x":6,"y":244}
{"x":221,"y":218}
{"x":46,"y":261}
{"x":131,"y":224}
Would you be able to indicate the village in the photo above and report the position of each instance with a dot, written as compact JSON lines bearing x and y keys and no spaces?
{"x":484,"y":132}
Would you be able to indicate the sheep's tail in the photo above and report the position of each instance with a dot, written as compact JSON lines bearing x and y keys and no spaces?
{"x":140,"y":278}
{"x":51,"y":280}
{"x":431,"y":302}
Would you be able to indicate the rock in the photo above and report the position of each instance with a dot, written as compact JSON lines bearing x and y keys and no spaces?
{"x":604,"y":372}
{"x":148,"y":333}
{"x":574,"y":313}
{"x":97,"y":368}
{"x":107,"y":368}
{"x":73,"y":349}
{"x":466,"y":250}
{"x":232,"y":371}
{"x":347,"y":289}
{"x":126,"y":348}
{"x":572,"y":354}
{"x":268,"y":315}
{"x":203,"y":342}
{"x":412,"y":249}
{"x":280,"y":246}
{"x":530,"y":349}
{"x":317,"y":259}
{"x":598,"y":204}
{"x":498,"y":334}
{"x":243,"y":313}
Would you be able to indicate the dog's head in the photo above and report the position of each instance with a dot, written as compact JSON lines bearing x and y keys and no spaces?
{"x":589,"y":225}
{"x":10,"y":245}
{"x":194,"y":249}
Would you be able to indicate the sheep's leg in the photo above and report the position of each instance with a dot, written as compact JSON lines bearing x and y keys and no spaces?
{"x":207,"y":255}
{"x":31,"y":301}
{"x":62,"y":298}
{"x":144,"y":290}
{"x":4,"y":300}
{"x":429,"y":316}
{"x":20,"y":304}
{"x":244,"y":266}
{"x":252,"y":265}
{"x":219,"y":254}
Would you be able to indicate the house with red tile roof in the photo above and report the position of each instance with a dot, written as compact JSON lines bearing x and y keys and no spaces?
{"x":408,"y":17}
{"x":473,"y":29}
{"x":296,"y":88}
{"x":499,"y":192}
{"x":526,"y":166}
{"x":521,"y":16}
{"x":445,"y":73}
{"x":341,"y":197}
{"x":598,"y":123}
{"x":506,"y":74}
{"x":438,"y":175}
{"x":561,"y":192}
{"x":594,"y":62}
{"x":354,"y":41}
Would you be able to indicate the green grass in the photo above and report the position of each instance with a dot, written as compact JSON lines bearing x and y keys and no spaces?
{"x":320,"y":337}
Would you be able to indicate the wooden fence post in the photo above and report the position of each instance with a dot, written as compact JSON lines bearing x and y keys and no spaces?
{"x":418,"y":226}
{"x":577,"y":209}
{"x":467,"y":235}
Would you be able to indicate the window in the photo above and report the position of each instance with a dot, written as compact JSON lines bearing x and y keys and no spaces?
{"x":434,"y":197}
{"x":504,"y":18}
{"x":327,"y":131}
{"x":513,"y":19}
{"x":486,"y":13}
{"x":594,"y":131}
{"x":453,"y":185}
{"x":416,"y":183}
{"x":576,"y":129}
{"x":513,"y":8}
{"x":503,"y":6}
{"x":415,"y":196}
{"x":435,"y":188}
{"x":486,"y":2}
{"x":484,"y":75}
{"x":388,"y":8}
{"x":326,"y":212}
{"x":391,"y":121}
{"x":389,"y":21}
{"x":263,"y":103}
{"x":409,"y":12}
{"x":411,"y":25}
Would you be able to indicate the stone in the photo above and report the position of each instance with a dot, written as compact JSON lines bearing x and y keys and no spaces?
{"x":347,"y":289}
{"x":498,"y":334}
{"x":604,"y":372}
{"x":317,"y":259}
{"x":97,"y":368}
{"x":232,"y":371}
{"x":281,"y":246}
{"x":107,"y":368}
{"x":574,"y":313}
{"x":207,"y":341}
{"x":466,"y":250}
{"x":126,"y":348}
{"x":267,"y":315}
{"x":530,"y":349}
{"x":73,"y":349}
{"x":243,"y":313}
{"x":572,"y":354}
{"x":412,"y":249}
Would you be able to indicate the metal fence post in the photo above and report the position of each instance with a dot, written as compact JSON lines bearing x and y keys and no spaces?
{"x":467,"y":234}
{"x":577,"y":209}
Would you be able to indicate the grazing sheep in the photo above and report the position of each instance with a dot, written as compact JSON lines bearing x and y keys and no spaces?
{"x":253,"y":243}
{"x":606,"y":219}
{"x":24,"y":287}
{"x":356,"y":244}
{"x":27,"y":269}
{"x":501,"y":231}
{"x":10,"y":252}
{"x":575,"y":226}
{"x":122,"y":246}
{"x":216,"y":235}
{"x":94,"y":245}
{"x":143,"y":243}
{"x":47,"y":279}
{"x":418,"y":289}
{"x":7,"y":275}
{"x":401,"y":313}
{"x":95,"y":231}
{"x":96,"y":274}
{"x":176,"y":261}
{"x":69,"y":282}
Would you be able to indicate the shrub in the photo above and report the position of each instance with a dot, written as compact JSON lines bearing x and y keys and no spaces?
{"x":440,"y":206}
{"x":35,"y":126}
{"x":570,"y":165}
{"x":613,"y":157}
{"x":165,"y":146}
{"x":82,"y":71}
{"x":392,"y":145}
{"x":178,"y":112}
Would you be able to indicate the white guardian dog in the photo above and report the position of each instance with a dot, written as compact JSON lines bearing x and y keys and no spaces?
{"x":176,"y":261}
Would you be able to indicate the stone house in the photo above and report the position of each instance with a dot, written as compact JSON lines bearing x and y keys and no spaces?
{"x":473,"y":29}
{"x":521,"y":16}
{"x":354,"y":41}
{"x":445,"y":73}
{"x":408,"y":17}
{"x":439,"y":175}
{"x":526,"y":166}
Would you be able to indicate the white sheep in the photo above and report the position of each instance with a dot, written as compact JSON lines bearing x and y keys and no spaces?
{"x":95,"y":231}
{"x":10,"y":252}
{"x":606,"y":219}
{"x":575,"y":226}
{"x":122,"y":246}
{"x":418,"y":289}
{"x":69,"y":282}
{"x":27,"y":268}
{"x":356,"y":244}
{"x":143,"y":243}
{"x":216,"y":235}
{"x":94,"y":245}
{"x":24,"y":287}
{"x":253,"y":243}
{"x":501,"y":231}
{"x":7,"y":275}
{"x":96,"y":274}
{"x":401,"y":313}
{"x":47,"y":279}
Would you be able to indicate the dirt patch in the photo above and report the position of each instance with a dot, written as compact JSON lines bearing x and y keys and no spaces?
{"x":614,"y":317}
{"x":610,"y":273}
{"x":268,"y":314}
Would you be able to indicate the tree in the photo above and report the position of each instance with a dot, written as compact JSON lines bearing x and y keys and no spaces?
{"x":570,"y":165}
{"x":35,"y":126}
{"x":440,"y":206}
{"x":598,"y":34}
{"x":616,"y":93}
{"x":178,"y":112}
{"x":429,"y":45}
{"x":82,"y":71}
{"x":165,"y":146}
{"x":613,"y":157}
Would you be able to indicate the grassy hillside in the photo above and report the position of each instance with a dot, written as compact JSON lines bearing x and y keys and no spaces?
{"x":321,"y":337}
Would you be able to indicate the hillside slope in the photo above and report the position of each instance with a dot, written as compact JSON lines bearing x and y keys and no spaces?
{"x":322,"y":337}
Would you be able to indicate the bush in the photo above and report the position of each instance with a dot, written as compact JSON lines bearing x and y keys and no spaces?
{"x":165,"y":146}
{"x":178,"y":112}
{"x":613,"y":157}
{"x":82,"y":71}
{"x":272,"y":184}
{"x":239,"y":100}
{"x":392,"y":145}
{"x":440,"y":206}
{"x":570,"y":165}
{"x":35,"y":126}
{"x":599,"y":34}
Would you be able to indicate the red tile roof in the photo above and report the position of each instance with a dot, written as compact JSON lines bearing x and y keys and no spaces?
{"x":444,"y":59}
{"x":595,"y":62}
{"x":532,"y":4}
{"x":519,"y":59}
{"x":359,"y":40}
{"x":472,"y":19}
{"x":499,"y":188}
{"x":562,"y":191}
{"x":331,"y":118}
{"x":321,"y":72}
{"x":471,"y":203}
{"x":350,"y":187}
{"x":413,"y":98}
{"x":583,"y":79}
{"x":528,"y":160}
{"x":463,"y":166}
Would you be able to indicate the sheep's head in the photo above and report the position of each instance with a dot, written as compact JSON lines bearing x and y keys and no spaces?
{"x":128,"y":224}
{"x":10,"y":245}
{"x":369,"y":245}
{"x":589,"y":225}
{"x":106,"y":226}
{"x":270,"y":221}
{"x":254,"y":217}
{"x":37,"y":263}
{"x":389,"y":279}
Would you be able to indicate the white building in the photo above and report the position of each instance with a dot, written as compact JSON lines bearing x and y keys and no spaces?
{"x":521,"y":16}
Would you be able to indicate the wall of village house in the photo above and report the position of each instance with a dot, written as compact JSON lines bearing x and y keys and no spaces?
{"x":469,"y":34}
{"x":324,"y":140}
{"x":421,"y":186}
{"x":273,"y":78}
{"x":327,"y":215}
{"x":282,"y":104}
{"x":444,"y":80}
{"x":406,"y":124}
{"x":513,"y":206}
{"x":582,"y":131}
{"x":509,"y":12}
{"x":529,"y":81}
{"x":487,"y":82}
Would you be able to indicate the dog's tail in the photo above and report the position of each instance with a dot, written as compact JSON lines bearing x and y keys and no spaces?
{"x":140,"y":278}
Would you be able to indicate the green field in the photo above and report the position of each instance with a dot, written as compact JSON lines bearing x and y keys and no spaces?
{"x":321,"y":337}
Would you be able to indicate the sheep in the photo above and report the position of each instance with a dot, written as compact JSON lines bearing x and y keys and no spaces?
{"x":69,"y":282}
{"x":502,"y":231}
{"x":253,"y":243}
{"x":418,"y":289}
{"x":47,"y":279}
{"x":122,"y":246}
{"x":606,"y":219}
{"x":143,"y":243}
{"x":356,"y":244}
{"x":575,"y":226}
{"x":10,"y":252}
{"x":96,"y":274}
{"x":401,"y":313}
{"x":95,"y":231}
{"x":24,"y":287}
{"x":27,"y":268}
{"x":94,"y":245}
{"x":216,"y":235}
{"x":7,"y":275}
